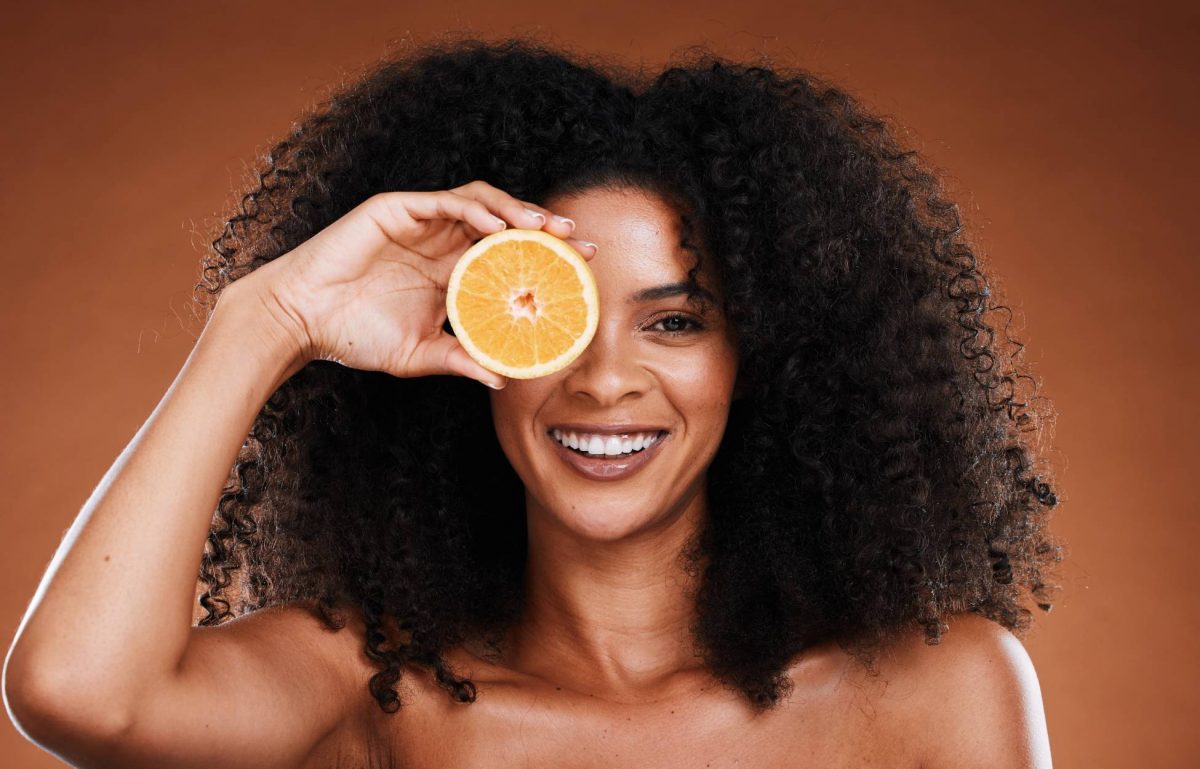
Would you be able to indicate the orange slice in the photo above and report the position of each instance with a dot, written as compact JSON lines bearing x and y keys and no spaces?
{"x":522,"y":303}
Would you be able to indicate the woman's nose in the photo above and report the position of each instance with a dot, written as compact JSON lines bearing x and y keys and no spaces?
{"x":608,"y":369}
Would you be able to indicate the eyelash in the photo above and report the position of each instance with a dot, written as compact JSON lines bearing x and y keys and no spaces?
{"x":696,"y":325}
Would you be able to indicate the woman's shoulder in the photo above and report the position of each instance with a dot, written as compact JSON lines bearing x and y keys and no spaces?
{"x":296,"y":632}
{"x":965,"y":637}
{"x":974,"y":691}
{"x":972,"y":652}
{"x":300,"y":625}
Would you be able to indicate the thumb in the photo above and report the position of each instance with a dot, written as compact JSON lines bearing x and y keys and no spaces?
{"x":455,"y":359}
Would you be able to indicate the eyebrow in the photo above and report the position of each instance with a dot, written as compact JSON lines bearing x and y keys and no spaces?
{"x":668,"y":290}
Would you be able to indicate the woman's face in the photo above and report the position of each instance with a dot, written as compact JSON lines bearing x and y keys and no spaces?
{"x":634,"y":372}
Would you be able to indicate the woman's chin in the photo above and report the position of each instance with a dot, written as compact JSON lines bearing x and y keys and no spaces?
{"x":603,"y":521}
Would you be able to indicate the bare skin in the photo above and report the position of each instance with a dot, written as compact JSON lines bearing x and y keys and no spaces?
{"x":928,"y":707}
{"x":832,"y":719}
{"x":599,"y":672}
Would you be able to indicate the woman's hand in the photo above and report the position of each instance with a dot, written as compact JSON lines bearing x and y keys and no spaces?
{"x":369,"y":291}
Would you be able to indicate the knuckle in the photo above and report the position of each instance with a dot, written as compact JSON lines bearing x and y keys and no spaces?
{"x":381,"y":201}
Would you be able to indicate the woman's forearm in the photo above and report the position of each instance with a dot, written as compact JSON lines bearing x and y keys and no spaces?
{"x":113,"y":612}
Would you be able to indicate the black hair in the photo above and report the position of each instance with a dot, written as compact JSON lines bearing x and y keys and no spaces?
{"x":882,"y":471}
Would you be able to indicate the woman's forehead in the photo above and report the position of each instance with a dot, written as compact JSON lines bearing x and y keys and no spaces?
{"x":640,"y":239}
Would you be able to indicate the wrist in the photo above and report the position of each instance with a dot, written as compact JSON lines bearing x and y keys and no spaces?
{"x":248,"y":320}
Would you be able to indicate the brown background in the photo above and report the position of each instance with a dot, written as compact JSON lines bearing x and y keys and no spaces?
{"x":1067,"y":134}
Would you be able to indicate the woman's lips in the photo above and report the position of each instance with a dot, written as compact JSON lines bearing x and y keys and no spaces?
{"x":605,"y":469}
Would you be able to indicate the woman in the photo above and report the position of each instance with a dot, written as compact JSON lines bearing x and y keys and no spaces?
{"x":818,"y":561}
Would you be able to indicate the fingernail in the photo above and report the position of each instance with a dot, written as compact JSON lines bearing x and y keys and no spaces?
{"x":501,"y":222}
{"x":531,"y":212}
{"x":565,"y":219}
{"x":593,"y":246}
{"x":494,"y":387}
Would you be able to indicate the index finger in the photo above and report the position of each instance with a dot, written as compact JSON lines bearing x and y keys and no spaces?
{"x":519,"y":212}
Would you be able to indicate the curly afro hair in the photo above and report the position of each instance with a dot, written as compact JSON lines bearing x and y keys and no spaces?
{"x":880,"y":472}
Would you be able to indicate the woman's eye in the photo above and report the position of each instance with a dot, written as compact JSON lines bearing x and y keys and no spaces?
{"x":676,"y":325}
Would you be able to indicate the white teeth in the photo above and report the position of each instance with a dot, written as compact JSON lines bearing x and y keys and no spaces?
{"x":605,"y":445}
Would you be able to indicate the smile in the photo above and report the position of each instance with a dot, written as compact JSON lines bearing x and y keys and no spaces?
{"x":635,"y":452}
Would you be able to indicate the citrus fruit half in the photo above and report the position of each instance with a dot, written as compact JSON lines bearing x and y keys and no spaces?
{"x":522,"y":303}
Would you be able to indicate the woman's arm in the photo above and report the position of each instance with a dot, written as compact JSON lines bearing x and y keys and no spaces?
{"x":109,"y":627}
{"x":106,"y":669}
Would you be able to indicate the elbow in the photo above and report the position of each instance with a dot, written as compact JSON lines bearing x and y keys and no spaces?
{"x":68,"y":718}
{"x":20,"y":703}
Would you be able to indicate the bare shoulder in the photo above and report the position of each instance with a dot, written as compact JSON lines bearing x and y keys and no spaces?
{"x":295,"y":632}
{"x":975,"y":695}
{"x":287,"y":654}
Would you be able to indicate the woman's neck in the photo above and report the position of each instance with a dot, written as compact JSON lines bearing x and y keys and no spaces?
{"x":610,"y":617}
